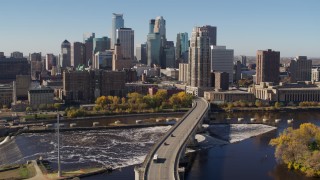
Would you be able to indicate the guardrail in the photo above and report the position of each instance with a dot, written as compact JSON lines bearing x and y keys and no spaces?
{"x":147,"y":160}
{"x":176,"y":163}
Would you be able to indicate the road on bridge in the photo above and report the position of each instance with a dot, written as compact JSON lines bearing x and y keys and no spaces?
{"x":168,"y":151}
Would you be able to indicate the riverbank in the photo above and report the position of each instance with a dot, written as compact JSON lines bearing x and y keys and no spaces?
{"x":270,"y":108}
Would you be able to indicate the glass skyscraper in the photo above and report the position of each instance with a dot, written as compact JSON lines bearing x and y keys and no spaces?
{"x":117,"y":23}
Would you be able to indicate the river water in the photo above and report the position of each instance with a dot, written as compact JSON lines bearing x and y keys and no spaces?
{"x":249,"y":159}
{"x":252,"y":158}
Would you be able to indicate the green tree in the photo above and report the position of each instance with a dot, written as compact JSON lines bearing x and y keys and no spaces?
{"x":258,"y":103}
{"x":277,"y":105}
{"x":28,"y":109}
{"x":42,"y":107}
{"x":57,"y":106}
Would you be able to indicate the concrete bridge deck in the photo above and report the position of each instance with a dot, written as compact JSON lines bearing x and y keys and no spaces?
{"x":172,"y":145}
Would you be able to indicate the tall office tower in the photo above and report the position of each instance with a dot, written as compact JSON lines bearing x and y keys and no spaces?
{"x":118,"y":62}
{"x":153,"y":45}
{"x":126,"y":39}
{"x":237,"y":71}
{"x":243,"y":60}
{"x":212,"y":31}
{"x":2,"y":55}
{"x":36,"y":65}
{"x":300,"y":69}
{"x":182,"y":47}
{"x":65,"y":54}
{"x":199,"y":62}
{"x":141,"y":53}
{"x":169,"y":52}
{"x":88,"y":43}
{"x":78,"y":54}
{"x":222,"y":60}
{"x":17,"y":54}
{"x":51,"y":60}
{"x":117,"y":23}
{"x":221,"y":81}
{"x":101,"y":44}
{"x":268,"y":64}
{"x":156,"y":42}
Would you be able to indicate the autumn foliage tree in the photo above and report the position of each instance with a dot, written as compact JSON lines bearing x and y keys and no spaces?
{"x":299,"y":149}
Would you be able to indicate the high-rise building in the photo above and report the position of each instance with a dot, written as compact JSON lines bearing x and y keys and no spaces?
{"x":88,"y":43}
{"x":212,"y":33}
{"x":182,"y":46}
{"x":103,"y":60}
{"x":2,"y":55}
{"x":117,"y":23}
{"x":21,"y":87}
{"x":183,"y":72}
{"x":10,"y":67}
{"x":51,"y":60}
{"x":141,"y":53}
{"x":222,"y":60}
{"x":126,"y":39}
{"x":169,"y":52}
{"x":199,"y":62}
{"x":118,"y":61}
{"x":243,"y":60}
{"x":315,"y":74}
{"x":268,"y":64}
{"x":237,"y":71}
{"x":65,"y":54}
{"x":221,"y":81}
{"x":101,"y":44}
{"x":300,"y":69}
{"x":78,"y":54}
{"x":156,"y":42}
{"x":36,"y":65}
{"x":17,"y":54}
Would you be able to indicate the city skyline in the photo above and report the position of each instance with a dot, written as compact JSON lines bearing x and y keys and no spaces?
{"x":247,"y":26}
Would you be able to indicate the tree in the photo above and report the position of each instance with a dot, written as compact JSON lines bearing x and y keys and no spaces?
{"x":57,"y":106}
{"x":258,"y":103}
{"x":28,"y":109}
{"x":42,"y":106}
{"x":277,"y":105}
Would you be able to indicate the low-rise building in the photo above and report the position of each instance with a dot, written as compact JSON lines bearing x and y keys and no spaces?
{"x":219,"y":97}
{"x":6,"y":92}
{"x":40,"y":95}
{"x":293,"y":92}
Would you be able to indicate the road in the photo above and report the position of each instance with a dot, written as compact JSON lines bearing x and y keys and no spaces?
{"x":168,"y":151}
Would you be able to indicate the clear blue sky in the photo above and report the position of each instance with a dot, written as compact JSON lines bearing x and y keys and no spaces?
{"x":289,"y":26}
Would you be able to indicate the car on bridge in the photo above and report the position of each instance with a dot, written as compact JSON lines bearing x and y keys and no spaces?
{"x":155,"y":158}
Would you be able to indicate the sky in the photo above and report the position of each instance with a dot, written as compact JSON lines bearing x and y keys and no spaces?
{"x":289,"y":26}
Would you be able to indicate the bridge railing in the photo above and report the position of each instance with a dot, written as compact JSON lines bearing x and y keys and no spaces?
{"x":146,"y":162}
{"x":182,"y":146}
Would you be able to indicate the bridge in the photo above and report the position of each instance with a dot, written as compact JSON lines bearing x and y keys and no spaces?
{"x":162,"y":162}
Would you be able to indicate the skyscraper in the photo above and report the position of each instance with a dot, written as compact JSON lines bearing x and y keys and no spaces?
{"x":243,"y":61}
{"x":118,"y":62}
{"x":222,"y":60}
{"x":212,"y":33}
{"x":88,"y":42}
{"x":50,"y":61}
{"x":141,"y":53}
{"x":169,"y":52}
{"x":78,"y":55}
{"x":182,"y":46}
{"x":36,"y":65}
{"x":199,"y":62}
{"x":157,"y":42}
{"x":300,"y":69}
{"x":101,"y":44}
{"x":268,"y":64}
{"x":65,"y":54}
{"x":117,"y":23}
{"x":126,"y":39}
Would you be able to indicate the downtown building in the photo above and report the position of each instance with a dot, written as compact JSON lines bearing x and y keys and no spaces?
{"x":88,"y":43}
{"x":182,"y":47}
{"x":126,"y":39}
{"x":65,"y":59}
{"x":117,"y":23}
{"x":222,"y":60}
{"x":300,"y":69}
{"x":36,"y":65}
{"x":156,"y":42}
{"x":78,"y":54}
{"x":119,"y":62}
{"x":97,"y":83}
{"x":11,"y":67}
{"x":268,"y":64}
{"x":141,"y":53}
{"x":199,"y":78}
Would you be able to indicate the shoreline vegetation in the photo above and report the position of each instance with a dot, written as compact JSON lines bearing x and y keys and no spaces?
{"x":265,"y":106}
{"x":299,"y":149}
